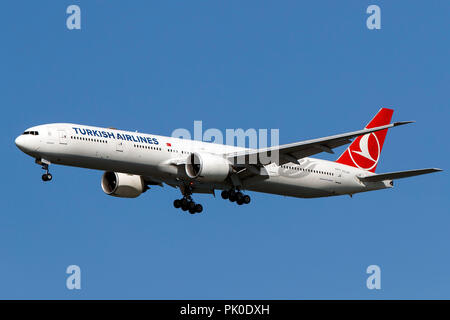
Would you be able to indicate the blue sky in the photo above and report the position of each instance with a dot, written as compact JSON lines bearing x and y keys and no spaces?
{"x":310,"y":69}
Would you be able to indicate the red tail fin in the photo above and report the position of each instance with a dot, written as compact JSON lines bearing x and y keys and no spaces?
{"x":365,"y":151}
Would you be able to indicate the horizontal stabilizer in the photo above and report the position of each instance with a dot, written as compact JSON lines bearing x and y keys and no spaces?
{"x":398,"y":175}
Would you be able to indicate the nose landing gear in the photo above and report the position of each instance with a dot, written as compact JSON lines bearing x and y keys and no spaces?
{"x":47,"y":176}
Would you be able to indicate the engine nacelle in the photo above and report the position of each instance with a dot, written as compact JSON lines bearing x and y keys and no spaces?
{"x":207,"y":167}
{"x":122,"y":185}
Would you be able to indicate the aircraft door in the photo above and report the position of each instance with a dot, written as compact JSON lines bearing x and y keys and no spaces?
{"x":62,"y":136}
{"x":119,"y":146}
{"x":338,"y":175}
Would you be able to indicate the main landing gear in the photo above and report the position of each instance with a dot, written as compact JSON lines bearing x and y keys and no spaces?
{"x":236,"y":196}
{"x":187,"y":203}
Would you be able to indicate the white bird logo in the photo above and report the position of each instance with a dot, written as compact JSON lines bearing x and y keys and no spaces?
{"x":364,"y":147}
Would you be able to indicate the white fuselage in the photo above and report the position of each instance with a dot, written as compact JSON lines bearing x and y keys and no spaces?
{"x":153,"y":157}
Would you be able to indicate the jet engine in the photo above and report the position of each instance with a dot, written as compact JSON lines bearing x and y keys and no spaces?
{"x":122,"y":185}
{"x":207,"y":167}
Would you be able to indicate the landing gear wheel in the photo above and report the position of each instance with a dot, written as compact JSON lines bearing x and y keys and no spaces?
{"x":177,"y":204}
{"x":198,"y":208}
{"x":184,"y":208}
{"x":239,"y":197}
{"x":47,"y":177}
{"x":232,"y":195}
{"x":225,"y":194}
{"x":184,"y":202}
{"x":247,"y":199}
{"x":191,"y":206}
{"x":192,"y":211}
{"x":240,"y":201}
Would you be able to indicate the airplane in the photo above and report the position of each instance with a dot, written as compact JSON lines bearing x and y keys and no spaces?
{"x":132,"y":162}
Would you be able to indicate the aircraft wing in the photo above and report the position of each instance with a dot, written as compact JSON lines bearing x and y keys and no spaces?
{"x":398,"y":175}
{"x":298,"y":150}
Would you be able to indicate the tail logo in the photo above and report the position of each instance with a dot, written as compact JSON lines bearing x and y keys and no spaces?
{"x":369,"y":151}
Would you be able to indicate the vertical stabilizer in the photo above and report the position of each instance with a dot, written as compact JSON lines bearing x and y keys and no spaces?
{"x":365,"y":151}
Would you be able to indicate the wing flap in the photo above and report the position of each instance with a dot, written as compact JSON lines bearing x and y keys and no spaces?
{"x":398,"y":175}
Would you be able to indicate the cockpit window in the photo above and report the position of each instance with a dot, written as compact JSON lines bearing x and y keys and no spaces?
{"x":34,"y":133}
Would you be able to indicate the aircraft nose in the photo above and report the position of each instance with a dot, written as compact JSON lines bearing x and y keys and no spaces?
{"x":20,"y":142}
{"x":24,"y":144}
